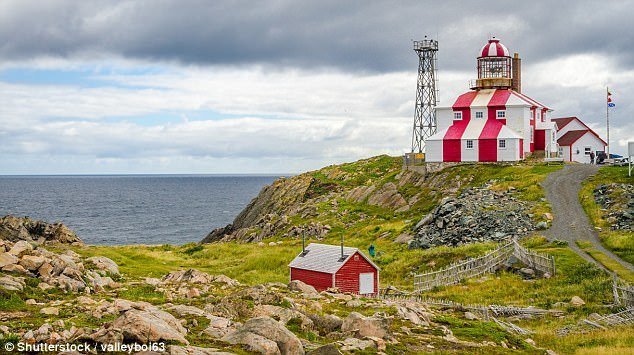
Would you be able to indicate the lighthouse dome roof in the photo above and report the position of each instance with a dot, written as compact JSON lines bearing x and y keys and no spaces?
{"x":494,"y":49}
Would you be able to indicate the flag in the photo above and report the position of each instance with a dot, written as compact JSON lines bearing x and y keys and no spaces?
{"x":610,"y":103}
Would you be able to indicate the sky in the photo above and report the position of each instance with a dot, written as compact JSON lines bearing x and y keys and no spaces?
{"x":223,"y":87}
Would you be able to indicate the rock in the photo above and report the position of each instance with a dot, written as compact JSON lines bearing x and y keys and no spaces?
{"x":387,"y":196}
{"x":541,"y":225}
{"x":530,"y":341}
{"x":7,"y":259}
{"x":104,"y":264}
{"x":307,"y":290}
{"x":354,"y":303}
{"x":284,"y":315}
{"x":354,"y":344}
{"x":50,"y":311}
{"x":31,"y":262}
{"x":17,"y":229}
{"x":267,"y":336}
{"x":193,"y":292}
{"x":412,"y":314}
{"x":576,"y":301}
{"x":226,"y":280}
{"x":470,"y":316}
{"x":184,"y":310}
{"x":17,"y":269}
{"x":20,"y":248}
{"x":365,"y":326}
{"x":189,"y":276}
{"x":193,"y":350}
{"x":327,"y":323}
{"x":150,"y":325}
{"x":218,"y":327}
{"x":30,"y":302}
{"x":70,"y":285}
{"x":328,"y":349}
{"x":44,"y":286}
{"x":11,"y":283}
{"x":152,"y":281}
{"x":83,"y":300}
{"x":527,"y":273}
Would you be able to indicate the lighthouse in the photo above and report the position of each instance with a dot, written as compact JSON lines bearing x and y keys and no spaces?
{"x":494,"y":121}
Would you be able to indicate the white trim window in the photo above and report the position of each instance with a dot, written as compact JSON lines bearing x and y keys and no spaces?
{"x":500,"y":114}
{"x":587,"y":150}
{"x":502,"y":144}
{"x":532,"y":135}
{"x":479,"y":114}
{"x":457,"y":116}
{"x":469,"y":144}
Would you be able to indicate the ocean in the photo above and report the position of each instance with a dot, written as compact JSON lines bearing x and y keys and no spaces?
{"x":132,"y":209}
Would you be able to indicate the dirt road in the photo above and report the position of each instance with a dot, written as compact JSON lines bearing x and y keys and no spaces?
{"x":570,"y":221}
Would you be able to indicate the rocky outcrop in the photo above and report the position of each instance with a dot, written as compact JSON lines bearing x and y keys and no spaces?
{"x":365,"y":326}
{"x":65,"y":271}
{"x":617,"y":202}
{"x":476,"y":215}
{"x":15,"y":229}
{"x":267,"y":336}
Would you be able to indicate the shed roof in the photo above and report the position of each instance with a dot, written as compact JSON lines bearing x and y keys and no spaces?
{"x":570,"y":137}
{"x":325,"y":258}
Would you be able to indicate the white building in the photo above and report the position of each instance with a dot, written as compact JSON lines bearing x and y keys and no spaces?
{"x":576,"y":140}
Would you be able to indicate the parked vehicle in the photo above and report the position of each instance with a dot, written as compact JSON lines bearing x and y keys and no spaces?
{"x":621,"y":161}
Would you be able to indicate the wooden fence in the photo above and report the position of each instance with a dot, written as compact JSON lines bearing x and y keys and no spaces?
{"x":623,"y":292}
{"x":488,"y":263}
{"x":538,"y":261}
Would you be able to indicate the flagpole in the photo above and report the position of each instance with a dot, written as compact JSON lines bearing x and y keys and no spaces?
{"x":607,"y":118}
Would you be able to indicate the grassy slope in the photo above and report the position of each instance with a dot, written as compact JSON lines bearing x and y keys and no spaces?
{"x":252,"y":264}
{"x":620,"y":242}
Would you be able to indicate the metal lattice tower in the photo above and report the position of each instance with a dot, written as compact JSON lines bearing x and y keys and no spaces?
{"x":425,"y":113}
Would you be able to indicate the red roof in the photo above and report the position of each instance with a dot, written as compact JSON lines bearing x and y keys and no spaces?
{"x":570,"y":137}
{"x":563,"y":121}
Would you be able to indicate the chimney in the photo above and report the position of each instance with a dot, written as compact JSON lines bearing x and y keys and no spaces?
{"x":342,"y":257}
{"x":516,"y":83}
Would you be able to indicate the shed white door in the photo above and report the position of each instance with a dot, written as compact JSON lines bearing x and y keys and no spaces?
{"x":366,"y":283}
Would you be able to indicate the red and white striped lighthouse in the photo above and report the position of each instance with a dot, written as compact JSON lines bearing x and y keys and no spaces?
{"x":494,"y":121}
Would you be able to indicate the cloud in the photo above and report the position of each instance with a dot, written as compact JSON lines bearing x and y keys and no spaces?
{"x":351,"y":35}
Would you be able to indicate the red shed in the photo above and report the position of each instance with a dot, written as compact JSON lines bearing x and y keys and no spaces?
{"x":323,"y":266}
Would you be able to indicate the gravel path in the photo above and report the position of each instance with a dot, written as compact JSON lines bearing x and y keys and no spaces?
{"x":570,"y":221}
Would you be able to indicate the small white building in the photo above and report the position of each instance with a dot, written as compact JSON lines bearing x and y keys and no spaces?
{"x":576,"y":140}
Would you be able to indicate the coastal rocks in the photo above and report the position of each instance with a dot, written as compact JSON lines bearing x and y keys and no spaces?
{"x":576,"y":301}
{"x":15,"y":229}
{"x":150,"y":325}
{"x":104,"y":264}
{"x":307,"y":290}
{"x":617,"y":201}
{"x":266,"y":336}
{"x":11,"y":283}
{"x":387,"y":196}
{"x":477,"y":215}
{"x":365,"y":326}
{"x":7,"y":259}
{"x":193,"y":276}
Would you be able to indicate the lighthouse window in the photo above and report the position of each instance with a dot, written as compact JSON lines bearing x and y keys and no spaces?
{"x":479,"y":114}
{"x":469,"y":144}
{"x":502,"y":144}
{"x":501,"y":114}
{"x":457,"y":115}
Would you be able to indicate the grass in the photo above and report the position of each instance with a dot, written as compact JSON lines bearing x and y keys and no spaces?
{"x":620,"y":242}
{"x":606,"y":261}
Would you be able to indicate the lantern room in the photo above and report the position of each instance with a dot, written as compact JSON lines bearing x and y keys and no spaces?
{"x":494,"y":66}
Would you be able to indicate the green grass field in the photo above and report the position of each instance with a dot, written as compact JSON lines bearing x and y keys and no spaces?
{"x":619,"y":242}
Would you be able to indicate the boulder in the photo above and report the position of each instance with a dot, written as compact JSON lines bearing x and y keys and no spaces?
{"x":470,"y":316}
{"x":328,"y":349}
{"x":150,"y":325}
{"x":50,"y":311}
{"x":104,"y":264}
{"x":219,"y":327}
{"x":11,"y":283}
{"x":365,"y":326}
{"x":327,"y":323}
{"x":7,"y":259}
{"x":267,"y":336}
{"x":31,"y":262}
{"x":184,"y":310}
{"x":284,"y":315}
{"x":25,"y":229}
{"x":576,"y":301}
{"x":189,"y":276}
{"x":17,"y":269}
{"x":20,"y":248}
{"x":307,"y":290}
{"x":354,"y":344}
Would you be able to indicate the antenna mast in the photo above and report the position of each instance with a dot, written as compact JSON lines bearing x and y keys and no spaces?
{"x":426,"y":100}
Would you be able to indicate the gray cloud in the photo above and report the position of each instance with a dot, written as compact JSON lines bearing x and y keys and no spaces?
{"x":359,"y":35}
